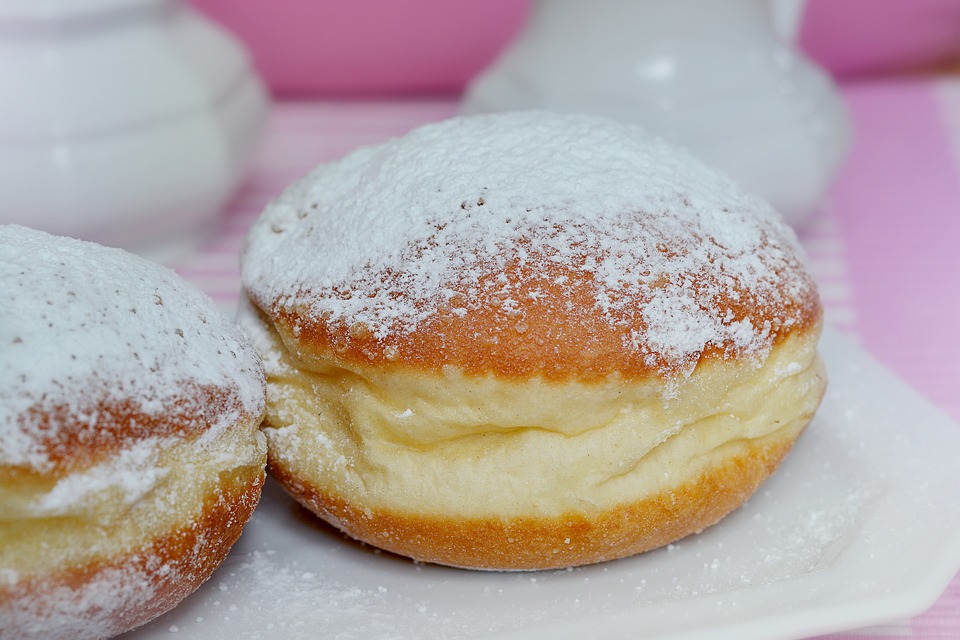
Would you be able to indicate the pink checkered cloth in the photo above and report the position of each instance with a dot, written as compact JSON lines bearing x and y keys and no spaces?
{"x":885,"y":246}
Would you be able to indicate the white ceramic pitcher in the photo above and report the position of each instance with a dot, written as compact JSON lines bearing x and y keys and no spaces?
{"x":714,"y":75}
{"x":128,"y":122}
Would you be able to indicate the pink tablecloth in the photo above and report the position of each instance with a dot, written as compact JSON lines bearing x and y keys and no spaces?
{"x":883,"y":247}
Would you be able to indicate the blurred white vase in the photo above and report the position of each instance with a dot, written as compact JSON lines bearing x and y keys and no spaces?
{"x":127,"y":122}
{"x":714,"y":76}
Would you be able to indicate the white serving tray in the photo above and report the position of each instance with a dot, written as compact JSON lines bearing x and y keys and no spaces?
{"x":860,"y":526}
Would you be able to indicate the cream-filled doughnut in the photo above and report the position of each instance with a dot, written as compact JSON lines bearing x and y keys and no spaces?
{"x":528,"y":340}
{"x":130,"y":456}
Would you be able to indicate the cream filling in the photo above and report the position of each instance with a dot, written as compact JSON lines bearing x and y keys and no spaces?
{"x":120,"y":504}
{"x":456,"y":445}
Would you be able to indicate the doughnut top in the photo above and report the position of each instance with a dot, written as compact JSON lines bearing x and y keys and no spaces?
{"x":100,"y":348}
{"x":526,"y":243}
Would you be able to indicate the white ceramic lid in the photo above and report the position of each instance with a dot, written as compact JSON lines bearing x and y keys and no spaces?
{"x":83,"y":68}
{"x":47,"y":10}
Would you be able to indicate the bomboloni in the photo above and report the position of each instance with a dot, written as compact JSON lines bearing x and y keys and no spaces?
{"x":527,"y":341}
{"x":130,"y":456}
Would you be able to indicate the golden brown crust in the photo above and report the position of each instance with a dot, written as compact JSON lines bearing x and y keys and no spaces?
{"x":530,"y":543}
{"x":553,"y":331}
{"x":170,"y":567}
{"x":70,"y":440}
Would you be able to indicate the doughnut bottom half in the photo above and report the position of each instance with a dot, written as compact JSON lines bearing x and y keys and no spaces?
{"x":104,"y":564}
{"x":507,"y":474}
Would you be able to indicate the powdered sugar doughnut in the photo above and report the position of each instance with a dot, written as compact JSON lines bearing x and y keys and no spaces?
{"x":130,"y":457}
{"x":522,"y":341}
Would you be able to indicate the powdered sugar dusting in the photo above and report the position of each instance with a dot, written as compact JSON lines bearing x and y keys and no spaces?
{"x":389,"y":234}
{"x":65,"y":613}
{"x":134,"y":472}
{"x":81,"y":324}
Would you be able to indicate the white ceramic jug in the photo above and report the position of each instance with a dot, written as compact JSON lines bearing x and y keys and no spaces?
{"x":128,"y":122}
{"x":715,"y":76}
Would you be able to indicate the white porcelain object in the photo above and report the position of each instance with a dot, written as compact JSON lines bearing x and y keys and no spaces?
{"x":127,"y":122}
{"x":717,"y":77}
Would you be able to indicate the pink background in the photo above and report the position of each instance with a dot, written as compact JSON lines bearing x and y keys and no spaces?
{"x":418,"y":47}
{"x":369,"y":47}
